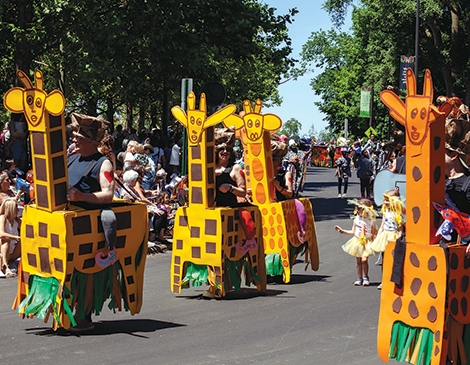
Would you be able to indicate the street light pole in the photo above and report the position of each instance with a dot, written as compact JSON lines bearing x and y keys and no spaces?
{"x":346,"y":120}
{"x":417,"y":41}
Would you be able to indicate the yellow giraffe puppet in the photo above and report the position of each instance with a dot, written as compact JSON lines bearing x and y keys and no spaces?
{"x":421,"y":320}
{"x":207,"y":240}
{"x":58,"y":271}
{"x":283,"y":235}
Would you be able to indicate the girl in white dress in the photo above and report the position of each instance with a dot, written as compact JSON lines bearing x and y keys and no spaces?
{"x":9,"y":236}
{"x":364,"y":230}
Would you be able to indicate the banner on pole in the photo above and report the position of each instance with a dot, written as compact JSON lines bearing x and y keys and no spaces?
{"x":405,"y":63}
{"x":365,"y":102}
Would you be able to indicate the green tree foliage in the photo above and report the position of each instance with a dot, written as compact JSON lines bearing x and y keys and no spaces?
{"x":127,"y":58}
{"x":368,"y":55}
{"x":290,"y":128}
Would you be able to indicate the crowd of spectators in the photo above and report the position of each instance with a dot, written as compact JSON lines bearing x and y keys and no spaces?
{"x":367,"y":159}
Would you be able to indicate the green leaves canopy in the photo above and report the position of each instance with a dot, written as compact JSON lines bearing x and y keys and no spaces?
{"x":107,"y":54}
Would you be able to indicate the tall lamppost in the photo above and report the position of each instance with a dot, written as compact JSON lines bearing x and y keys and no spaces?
{"x":417,"y":41}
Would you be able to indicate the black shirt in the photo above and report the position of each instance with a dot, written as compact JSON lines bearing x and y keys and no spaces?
{"x":455,"y":192}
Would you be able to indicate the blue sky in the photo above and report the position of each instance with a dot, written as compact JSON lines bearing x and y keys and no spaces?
{"x":298,"y":96}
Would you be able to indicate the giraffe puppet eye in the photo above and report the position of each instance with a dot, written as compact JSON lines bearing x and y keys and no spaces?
{"x":191,"y":120}
{"x":258,"y":123}
{"x":250,"y":123}
{"x":423,"y":113}
{"x":199,"y":122}
{"x":414,"y":112}
{"x":38,"y":103}
{"x":29,"y":100}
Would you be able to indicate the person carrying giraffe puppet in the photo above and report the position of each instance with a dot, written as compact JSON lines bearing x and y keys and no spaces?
{"x":457,"y":152}
{"x":230,"y":189}
{"x":230,"y":179}
{"x":283,"y":179}
{"x":364,"y":230}
{"x":91,"y":180}
{"x":392,"y":222}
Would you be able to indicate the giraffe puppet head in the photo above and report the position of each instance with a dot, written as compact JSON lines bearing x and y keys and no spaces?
{"x":32,"y":101}
{"x":254,"y":122}
{"x":417,"y":112}
{"x":195,"y":121}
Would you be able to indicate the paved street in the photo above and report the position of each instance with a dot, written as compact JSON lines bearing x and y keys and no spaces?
{"x":318,"y":318}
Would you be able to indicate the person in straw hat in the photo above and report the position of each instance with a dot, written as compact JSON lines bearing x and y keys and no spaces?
{"x":91,"y":180}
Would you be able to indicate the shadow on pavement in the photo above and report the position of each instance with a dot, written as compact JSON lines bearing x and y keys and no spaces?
{"x":244,"y":293}
{"x":132,"y":327}
{"x":297,"y":279}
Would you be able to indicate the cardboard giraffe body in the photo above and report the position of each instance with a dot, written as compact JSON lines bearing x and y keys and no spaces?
{"x":281,"y":225}
{"x":207,"y":235}
{"x":58,"y":272}
{"x":415,"y":324}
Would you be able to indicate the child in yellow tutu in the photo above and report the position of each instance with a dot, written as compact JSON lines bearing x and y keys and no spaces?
{"x":392,"y":222}
{"x":364,"y":230}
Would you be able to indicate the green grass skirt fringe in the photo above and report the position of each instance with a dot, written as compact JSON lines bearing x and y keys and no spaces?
{"x":274,"y":262}
{"x":411,"y":342}
{"x":42,"y":297}
{"x":196,"y":275}
{"x":87,"y":293}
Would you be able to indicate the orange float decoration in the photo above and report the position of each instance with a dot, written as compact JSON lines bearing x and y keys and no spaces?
{"x":422,"y":318}
{"x":285,"y":233}
{"x":206,"y":238}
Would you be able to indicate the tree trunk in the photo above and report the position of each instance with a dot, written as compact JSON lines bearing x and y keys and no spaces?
{"x":445,"y":69}
{"x":23,"y":49}
{"x":110,"y":114}
{"x":153,"y":116}
{"x":142,"y":112}
{"x":129,"y":116}
{"x":165,"y":108}
{"x":91,"y":106}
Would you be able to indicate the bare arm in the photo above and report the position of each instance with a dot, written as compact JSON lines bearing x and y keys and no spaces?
{"x":287,"y":191}
{"x":343,"y":231}
{"x":105,"y":196}
{"x":240,"y":188}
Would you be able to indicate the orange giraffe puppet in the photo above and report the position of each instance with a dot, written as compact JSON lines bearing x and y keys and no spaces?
{"x":283,"y":236}
{"x":416,"y":322}
{"x":206,"y":236}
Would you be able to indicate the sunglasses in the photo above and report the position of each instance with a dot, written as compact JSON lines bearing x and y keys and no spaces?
{"x":228,"y":149}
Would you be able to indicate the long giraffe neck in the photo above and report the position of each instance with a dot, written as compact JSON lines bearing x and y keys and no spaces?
{"x":261,"y":171}
{"x":49,"y":159}
{"x":202,"y":171}
{"x":425,"y":183}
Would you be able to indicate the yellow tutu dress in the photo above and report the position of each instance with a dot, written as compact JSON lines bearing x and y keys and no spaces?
{"x":360,"y":244}
{"x":392,"y":223}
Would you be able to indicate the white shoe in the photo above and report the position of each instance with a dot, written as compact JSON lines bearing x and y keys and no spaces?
{"x":2,"y":275}
{"x":344,"y":195}
{"x":339,"y":196}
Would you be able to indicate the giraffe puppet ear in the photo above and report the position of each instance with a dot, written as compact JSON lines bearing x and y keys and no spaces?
{"x":410,"y":82}
{"x":13,"y":100}
{"x":271,"y":122}
{"x":220,"y":115}
{"x":428,"y":88}
{"x":180,"y":115}
{"x":55,"y":103}
{"x":234,"y":120}
{"x":395,"y":104}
